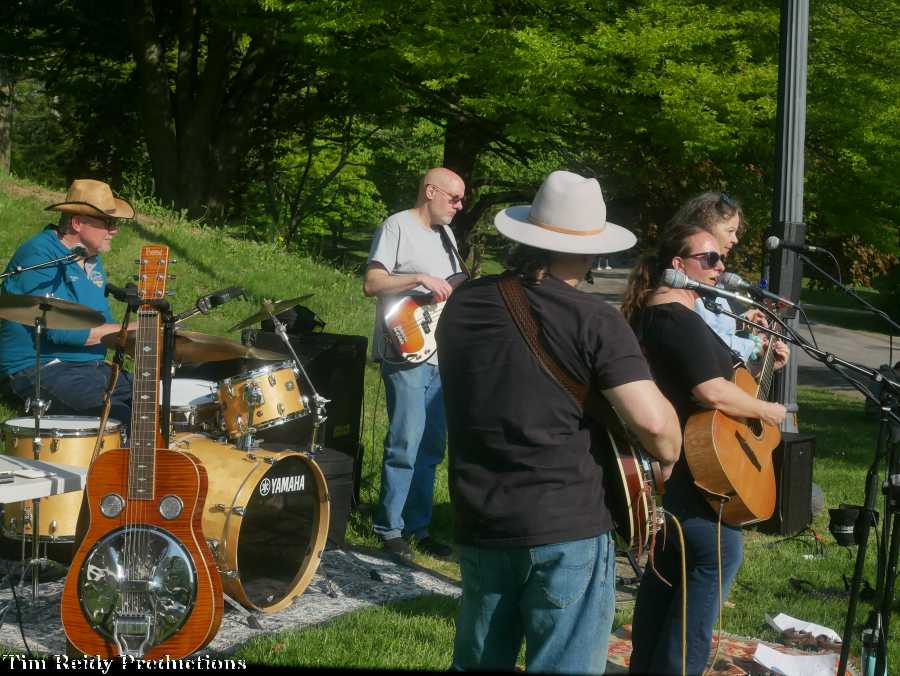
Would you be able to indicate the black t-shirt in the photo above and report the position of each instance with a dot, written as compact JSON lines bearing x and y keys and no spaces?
{"x":683,"y":352}
{"x":521,"y":470}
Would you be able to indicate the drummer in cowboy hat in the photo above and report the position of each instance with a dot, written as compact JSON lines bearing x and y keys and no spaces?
{"x":537,"y":555}
{"x":73,"y":371}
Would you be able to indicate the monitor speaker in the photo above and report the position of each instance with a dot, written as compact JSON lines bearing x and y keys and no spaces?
{"x":336,"y":366}
{"x":793,"y":461}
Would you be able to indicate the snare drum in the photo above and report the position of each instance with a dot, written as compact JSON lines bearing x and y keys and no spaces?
{"x":269,"y":395}
{"x":265,"y":518}
{"x":68,"y":440}
{"x":194,"y":406}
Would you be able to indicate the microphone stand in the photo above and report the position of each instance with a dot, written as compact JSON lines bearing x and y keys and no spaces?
{"x":879,"y":618}
{"x":862,"y":301}
{"x":18,"y":270}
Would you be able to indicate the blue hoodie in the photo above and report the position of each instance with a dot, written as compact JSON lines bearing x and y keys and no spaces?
{"x":64,"y":281}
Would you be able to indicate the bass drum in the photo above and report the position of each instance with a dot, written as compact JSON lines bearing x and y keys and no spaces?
{"x":265,"y":518}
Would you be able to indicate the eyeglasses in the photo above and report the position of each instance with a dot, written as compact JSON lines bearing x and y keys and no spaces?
{"x":708,"y":259}
{"x":106,"y":223}
{"x":454,"y":199}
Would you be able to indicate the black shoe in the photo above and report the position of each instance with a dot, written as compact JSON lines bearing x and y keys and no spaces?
{"x":398,"y":548}
{"x":434,"y":548}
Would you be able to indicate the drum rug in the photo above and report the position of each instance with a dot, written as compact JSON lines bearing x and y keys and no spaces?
{"x":346,"y":580}
{"x":735,"y":657}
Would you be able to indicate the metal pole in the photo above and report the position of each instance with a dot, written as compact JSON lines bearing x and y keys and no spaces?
{"x":784,"y":269}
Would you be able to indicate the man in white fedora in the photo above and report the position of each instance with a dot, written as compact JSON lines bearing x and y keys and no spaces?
{"x":74,"y":374}
{"x":535,"y":546}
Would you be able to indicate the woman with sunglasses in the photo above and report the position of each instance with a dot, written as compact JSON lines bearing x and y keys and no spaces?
{"x":693,"y":368}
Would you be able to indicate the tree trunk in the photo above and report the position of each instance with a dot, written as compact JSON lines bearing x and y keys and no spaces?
{"x":462,"y":144}
{"x":7,"y":90}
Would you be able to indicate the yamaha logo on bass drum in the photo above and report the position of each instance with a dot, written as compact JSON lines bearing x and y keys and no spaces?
{"x":282,"y":484}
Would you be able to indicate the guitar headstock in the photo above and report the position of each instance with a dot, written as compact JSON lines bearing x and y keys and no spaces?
{"x":154,"y":272}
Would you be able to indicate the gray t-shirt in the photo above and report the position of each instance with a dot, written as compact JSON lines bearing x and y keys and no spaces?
{"x":403,"y":246}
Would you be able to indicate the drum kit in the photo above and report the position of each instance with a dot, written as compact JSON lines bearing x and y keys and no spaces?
{"x":266,"y":513}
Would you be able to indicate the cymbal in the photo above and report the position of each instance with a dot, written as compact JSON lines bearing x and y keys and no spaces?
{"x":270,"y":308}
{"x":61,"y":314}
{"x":192,"y":347}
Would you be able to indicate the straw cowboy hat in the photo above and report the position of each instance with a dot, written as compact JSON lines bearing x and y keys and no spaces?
{"x":93,"y":198}
{"x":568,"y":215}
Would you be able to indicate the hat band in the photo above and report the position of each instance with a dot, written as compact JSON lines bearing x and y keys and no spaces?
{"x":566,"y":231}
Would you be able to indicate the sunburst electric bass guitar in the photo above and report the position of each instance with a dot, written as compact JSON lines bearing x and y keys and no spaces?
{"x":143,"y":582}
{"x":410,"y":323}
{"x":731,"y":458}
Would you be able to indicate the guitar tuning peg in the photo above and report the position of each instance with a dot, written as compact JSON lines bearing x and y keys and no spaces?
{"x":173,"y":261}
{"x":172,"y":277}
{"x":170,"y":293}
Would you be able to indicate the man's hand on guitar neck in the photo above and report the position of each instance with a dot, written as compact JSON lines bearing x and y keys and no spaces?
{"x":379,"y":282}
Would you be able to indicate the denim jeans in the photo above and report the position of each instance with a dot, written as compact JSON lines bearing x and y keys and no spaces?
{"x":413,"y":448}
{"x":76,"y":388}
{"x":656,"y":632}
{"x":559,"y":598}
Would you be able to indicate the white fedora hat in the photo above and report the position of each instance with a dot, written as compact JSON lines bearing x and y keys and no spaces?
{"x":568,"y":215}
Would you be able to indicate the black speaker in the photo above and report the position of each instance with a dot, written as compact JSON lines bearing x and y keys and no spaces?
{"x":793,"y":461}
{"x":336,"y":366}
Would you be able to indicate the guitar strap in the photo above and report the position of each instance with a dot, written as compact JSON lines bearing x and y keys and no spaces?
{"x":519,"y":307}
{"x":451,"y":249}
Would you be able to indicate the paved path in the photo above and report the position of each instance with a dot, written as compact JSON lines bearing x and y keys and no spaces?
{"x":862,"y":347}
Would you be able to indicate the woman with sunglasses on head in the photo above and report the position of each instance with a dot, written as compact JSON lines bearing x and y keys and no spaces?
{"x":720,"y":215}
{"x":693,"y":368}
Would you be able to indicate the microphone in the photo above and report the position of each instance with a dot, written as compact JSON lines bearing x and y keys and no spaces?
{"x":217,"y":298}
{"x":773,"y":244}
{"x":678,"y":280}
{"x":736,"y":283}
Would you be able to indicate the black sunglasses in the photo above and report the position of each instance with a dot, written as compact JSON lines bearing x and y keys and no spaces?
{"x":708,"y":259}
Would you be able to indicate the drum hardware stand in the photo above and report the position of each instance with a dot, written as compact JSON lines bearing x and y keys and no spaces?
{"x":317,"y":402}
{"x":39,"y":407}
{"x":876,"y":634}
{"x":252,"y":622}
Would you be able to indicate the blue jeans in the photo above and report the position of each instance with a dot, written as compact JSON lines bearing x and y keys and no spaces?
{"x":413,"y":448}
{"x":656,"y":631}
{"x":559,"y":598}
{"x":76,"y":388}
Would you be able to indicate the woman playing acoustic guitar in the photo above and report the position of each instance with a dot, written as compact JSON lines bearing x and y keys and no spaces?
{"x":693,"y":368}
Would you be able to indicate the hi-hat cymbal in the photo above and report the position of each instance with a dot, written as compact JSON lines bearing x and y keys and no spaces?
{"x":270,"y":308}
{"x":60,"y":314}
{"x":192,"y":347}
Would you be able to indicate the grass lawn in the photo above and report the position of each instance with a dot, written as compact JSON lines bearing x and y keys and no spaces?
{"x":418,"y":633}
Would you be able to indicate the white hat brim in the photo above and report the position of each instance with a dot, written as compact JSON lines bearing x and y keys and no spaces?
{"x":513,"y":223}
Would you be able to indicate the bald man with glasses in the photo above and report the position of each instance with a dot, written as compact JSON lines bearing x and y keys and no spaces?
{"x":411,"y":255}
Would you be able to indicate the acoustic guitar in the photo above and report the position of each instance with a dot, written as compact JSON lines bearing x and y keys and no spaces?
{"x":143,"y":582}
{"x":410,"y":323}
{"x":731,"y":458}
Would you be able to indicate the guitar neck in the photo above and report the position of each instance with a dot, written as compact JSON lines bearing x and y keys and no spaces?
{"x":145,"y":433}
{"x":766,"y":375}
{"x":144,"y":410}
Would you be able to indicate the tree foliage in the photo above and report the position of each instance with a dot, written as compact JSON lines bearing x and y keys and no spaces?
{"x":299,"y":119}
